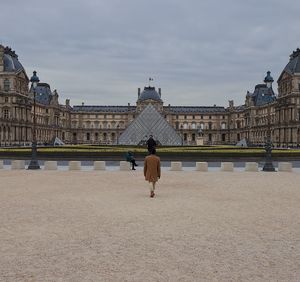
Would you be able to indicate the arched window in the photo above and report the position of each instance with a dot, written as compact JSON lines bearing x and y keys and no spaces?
{"x":201,"y":125}
{"x":185,"y":125}
{"x":193,"y":125}
{"x":223,"y":125}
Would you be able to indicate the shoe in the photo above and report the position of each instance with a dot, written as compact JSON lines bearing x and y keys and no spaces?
{"x":133,"y":169}
{"x":152,"y":194}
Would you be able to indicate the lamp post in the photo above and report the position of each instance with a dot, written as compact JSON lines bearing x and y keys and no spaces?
{"x":268,"y":166}
{"x":34,"y":164}
{"x":118,"y":126}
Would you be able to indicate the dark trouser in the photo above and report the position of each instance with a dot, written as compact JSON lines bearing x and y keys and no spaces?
{"x":133,"y":163}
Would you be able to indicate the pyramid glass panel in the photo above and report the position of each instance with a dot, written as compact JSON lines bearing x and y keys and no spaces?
{"x":150,"y":122}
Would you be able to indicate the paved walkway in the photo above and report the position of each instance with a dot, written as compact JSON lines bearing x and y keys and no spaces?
{"x":102,"y":226}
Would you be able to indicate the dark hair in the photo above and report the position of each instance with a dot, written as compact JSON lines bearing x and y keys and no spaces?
{"x":152,"y":151}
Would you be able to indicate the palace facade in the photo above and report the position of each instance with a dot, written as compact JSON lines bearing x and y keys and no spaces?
{"x":263,"y":110}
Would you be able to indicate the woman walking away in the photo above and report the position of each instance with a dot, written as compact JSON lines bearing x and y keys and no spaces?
{"x":152,"y":170}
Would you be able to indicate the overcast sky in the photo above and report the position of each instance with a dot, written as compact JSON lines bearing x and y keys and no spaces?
{"x":200,"y":52}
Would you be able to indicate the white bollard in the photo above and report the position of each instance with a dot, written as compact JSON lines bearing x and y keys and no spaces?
{"x":251,"y":166}
{"x":285,"y":166}
{"x":176,"y":166}
{"x":124,"y":165}
{"x":74,"y":165}
{"x":18,"y":164}
{"x":50,"y":165}
{"x":201,"y":166}
{"x":226,"y":166}
{"x":1,"y":164}
{"x":99,"y":165}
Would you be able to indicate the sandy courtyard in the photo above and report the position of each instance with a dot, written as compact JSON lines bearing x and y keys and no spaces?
{"x":102,"y":226}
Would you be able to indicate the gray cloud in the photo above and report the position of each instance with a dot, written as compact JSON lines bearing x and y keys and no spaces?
{"x":199,"y":52}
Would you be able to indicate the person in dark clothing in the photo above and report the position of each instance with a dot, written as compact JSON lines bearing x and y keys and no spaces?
{"x":151,"y":144}
{"x":130,"y":158}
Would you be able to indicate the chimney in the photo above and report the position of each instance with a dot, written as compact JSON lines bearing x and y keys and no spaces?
{"x":68,"y":102}
{"x":231,"y":103}
{"x":82,"y":104}
{"x":1,"y":58}
{"x":159,"y":92}
{"x":139,"y":92}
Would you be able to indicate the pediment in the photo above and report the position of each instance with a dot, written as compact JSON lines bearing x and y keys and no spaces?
{"x":22,"y":74}
{"x":284,"y":76}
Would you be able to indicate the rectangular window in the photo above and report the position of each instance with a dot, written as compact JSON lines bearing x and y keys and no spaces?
{"x":5,"y":115}
{"x":6,"y":85}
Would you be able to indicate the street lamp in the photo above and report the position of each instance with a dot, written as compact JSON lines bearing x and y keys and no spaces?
{"x":268,"y":166}
{"x":34,"y":164}
{"x":118,"y":126}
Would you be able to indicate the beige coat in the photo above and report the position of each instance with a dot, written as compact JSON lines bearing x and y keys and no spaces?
{"x":152,"y":168}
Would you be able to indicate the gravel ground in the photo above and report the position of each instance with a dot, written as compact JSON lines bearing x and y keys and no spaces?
{"x":102,"y":226}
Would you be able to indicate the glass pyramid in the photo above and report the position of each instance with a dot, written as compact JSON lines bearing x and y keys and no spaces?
{"x":150,"y":122}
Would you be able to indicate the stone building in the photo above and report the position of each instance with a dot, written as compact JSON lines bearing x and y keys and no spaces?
{"x":86,"y":124}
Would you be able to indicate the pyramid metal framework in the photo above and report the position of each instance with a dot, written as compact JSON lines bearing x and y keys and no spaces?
{"x":150,"y":122}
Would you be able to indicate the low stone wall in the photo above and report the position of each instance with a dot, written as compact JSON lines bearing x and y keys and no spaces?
{"x":125,"y":166}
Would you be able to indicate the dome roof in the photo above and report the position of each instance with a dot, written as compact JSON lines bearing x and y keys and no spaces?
{"x":11,"y":62}
{"x":294,"y":64}
{"x":149,"y":93}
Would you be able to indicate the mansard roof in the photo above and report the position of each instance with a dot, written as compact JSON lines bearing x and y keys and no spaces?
{"x":106,"y":109}
{"x":43,"y":93}
{"x":293,"y":65}
{"x":262,"y":95}
{"x":149,"y":93}
{"x":11,"y":62}
{"x":196,"y":109}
